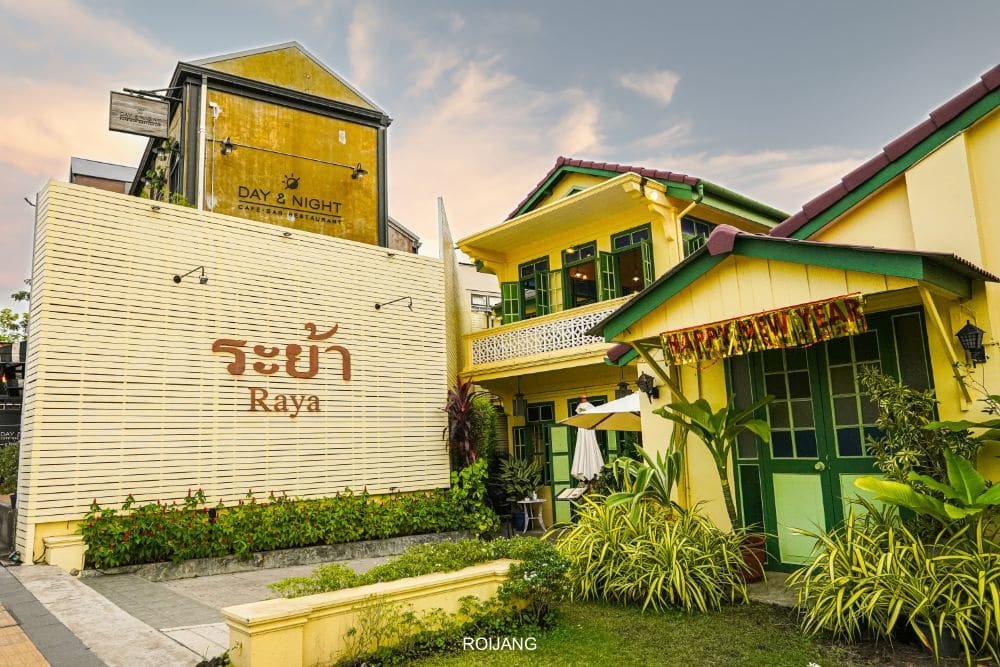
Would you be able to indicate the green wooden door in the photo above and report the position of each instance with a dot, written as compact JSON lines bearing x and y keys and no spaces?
{"x":820,"y":421}
{"x":560,"y":460}
{"x":797,"y":448}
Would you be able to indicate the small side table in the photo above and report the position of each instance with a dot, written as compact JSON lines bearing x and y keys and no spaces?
{"x":532,"y":511}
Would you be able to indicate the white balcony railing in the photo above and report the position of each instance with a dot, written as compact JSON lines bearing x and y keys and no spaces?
{"x":550,"y":333}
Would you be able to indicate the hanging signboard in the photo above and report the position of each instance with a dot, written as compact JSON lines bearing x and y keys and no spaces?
{"x":139,"y":115}
{"x":794,"y":326}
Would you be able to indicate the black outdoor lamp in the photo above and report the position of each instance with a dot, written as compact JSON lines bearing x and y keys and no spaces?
{"x":645,"y":383}
{"x":622,"y":390}
{"x":520,"y":402}
{"x":358,"y":171}
{"x":202,"y":279}
{"x":228,"y":146}
{"x":971,"y":338}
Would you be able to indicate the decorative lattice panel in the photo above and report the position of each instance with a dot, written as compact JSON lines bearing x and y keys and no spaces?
{"x":539,"y":338}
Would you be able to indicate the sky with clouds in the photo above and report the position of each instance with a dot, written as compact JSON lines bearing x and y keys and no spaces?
{"x":775,"y":99}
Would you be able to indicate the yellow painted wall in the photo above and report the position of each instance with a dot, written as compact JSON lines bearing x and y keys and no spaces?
{"x":941,"y":202}
{"x":883,"y":220}
{"x":700,"y":481}
{"x":983,"y":146}
{"x":566,"y":184}
{"x":125,"y":395}
{"x":271,"y":178}
{"x":291,"y":68}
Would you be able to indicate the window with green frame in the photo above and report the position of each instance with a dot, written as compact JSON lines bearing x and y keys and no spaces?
{"x":694,"y":233}
{"x":533,"y":288}
{"x":631,"y":261}
{"x":580,"y":275}
{"x":531,"y":441}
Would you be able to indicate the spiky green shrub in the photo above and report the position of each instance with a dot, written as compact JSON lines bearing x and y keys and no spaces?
{"x":873,"y":576}
{"x":652,"y":555}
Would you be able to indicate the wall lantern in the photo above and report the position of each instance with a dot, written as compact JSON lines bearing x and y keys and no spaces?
{"x":202,"y":279}
{"x":520,"y":402}
{"x":645,"y":383}
{"x":407,"y":299}
{"x":358,"y":171}
{"x":228,"y":146}
{"x":622,"y":390}
{"x":971,"y":338}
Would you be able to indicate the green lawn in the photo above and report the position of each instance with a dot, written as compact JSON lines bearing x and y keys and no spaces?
{"x":595,"y":634}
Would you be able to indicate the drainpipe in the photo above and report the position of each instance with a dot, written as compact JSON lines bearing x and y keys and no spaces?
{"x":697,"y":196}
{"x":202,"y":101}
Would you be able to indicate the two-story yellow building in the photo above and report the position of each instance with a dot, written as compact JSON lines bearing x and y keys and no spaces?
{"x":884,"y":269}
{"x":583,"y":242}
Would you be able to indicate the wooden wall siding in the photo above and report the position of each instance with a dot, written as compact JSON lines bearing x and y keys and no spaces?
{"x":124,"y":394}
{"x":745,"y":285}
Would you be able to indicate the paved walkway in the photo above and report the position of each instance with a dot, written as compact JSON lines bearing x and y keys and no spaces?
{"x":187,"y":610}
{"x":31,"y":635}
{"x":15,"y":647}
{"x":113,"y":636}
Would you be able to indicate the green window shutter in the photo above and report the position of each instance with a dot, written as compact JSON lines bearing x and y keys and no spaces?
{"x":647,"y":263}
{"x":608,"y":283}
{"x":509,"y":295}
{"x":542,"y":292}
{"x":612,"y":446}
{"x":555,"y":284}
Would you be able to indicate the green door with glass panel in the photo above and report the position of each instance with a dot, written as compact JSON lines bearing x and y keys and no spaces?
{"x":820,"y":420}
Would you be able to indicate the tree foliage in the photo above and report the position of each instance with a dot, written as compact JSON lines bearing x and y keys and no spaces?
{"x":14,"y":325}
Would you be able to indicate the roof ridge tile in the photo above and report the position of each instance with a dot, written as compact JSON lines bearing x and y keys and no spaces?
{"x":892,"y":151}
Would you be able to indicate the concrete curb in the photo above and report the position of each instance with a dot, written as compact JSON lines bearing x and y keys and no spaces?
{"x":324,"y":553}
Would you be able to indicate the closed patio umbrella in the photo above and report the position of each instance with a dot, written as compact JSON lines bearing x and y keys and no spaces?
{"x":587,"y":459}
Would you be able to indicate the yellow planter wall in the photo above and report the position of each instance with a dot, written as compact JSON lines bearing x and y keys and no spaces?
{"x":310,"y":630}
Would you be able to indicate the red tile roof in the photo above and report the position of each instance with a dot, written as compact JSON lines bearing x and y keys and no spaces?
{"x":606,"y":166}
{"x":895,"y":149}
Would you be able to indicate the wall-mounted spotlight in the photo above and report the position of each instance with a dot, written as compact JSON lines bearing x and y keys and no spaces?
{"x":228,"y":146}
{"x":645,"y":384}
{"x":971,"y":338}
{"x":358,"y":172}
{"x":408,"y":299}
{"x":202,"y":279}
{"x":154,"y":207}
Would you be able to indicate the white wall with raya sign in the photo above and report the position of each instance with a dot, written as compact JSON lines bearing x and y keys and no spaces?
{"x":275,"y":373}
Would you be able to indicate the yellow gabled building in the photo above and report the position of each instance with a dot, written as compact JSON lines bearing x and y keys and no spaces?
{"x":582,"y":243}
{"x":915,"y":233}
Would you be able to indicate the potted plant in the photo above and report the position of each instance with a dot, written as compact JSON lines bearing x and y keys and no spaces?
{"x":521,"y":478}
{"x":718,"y":430}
